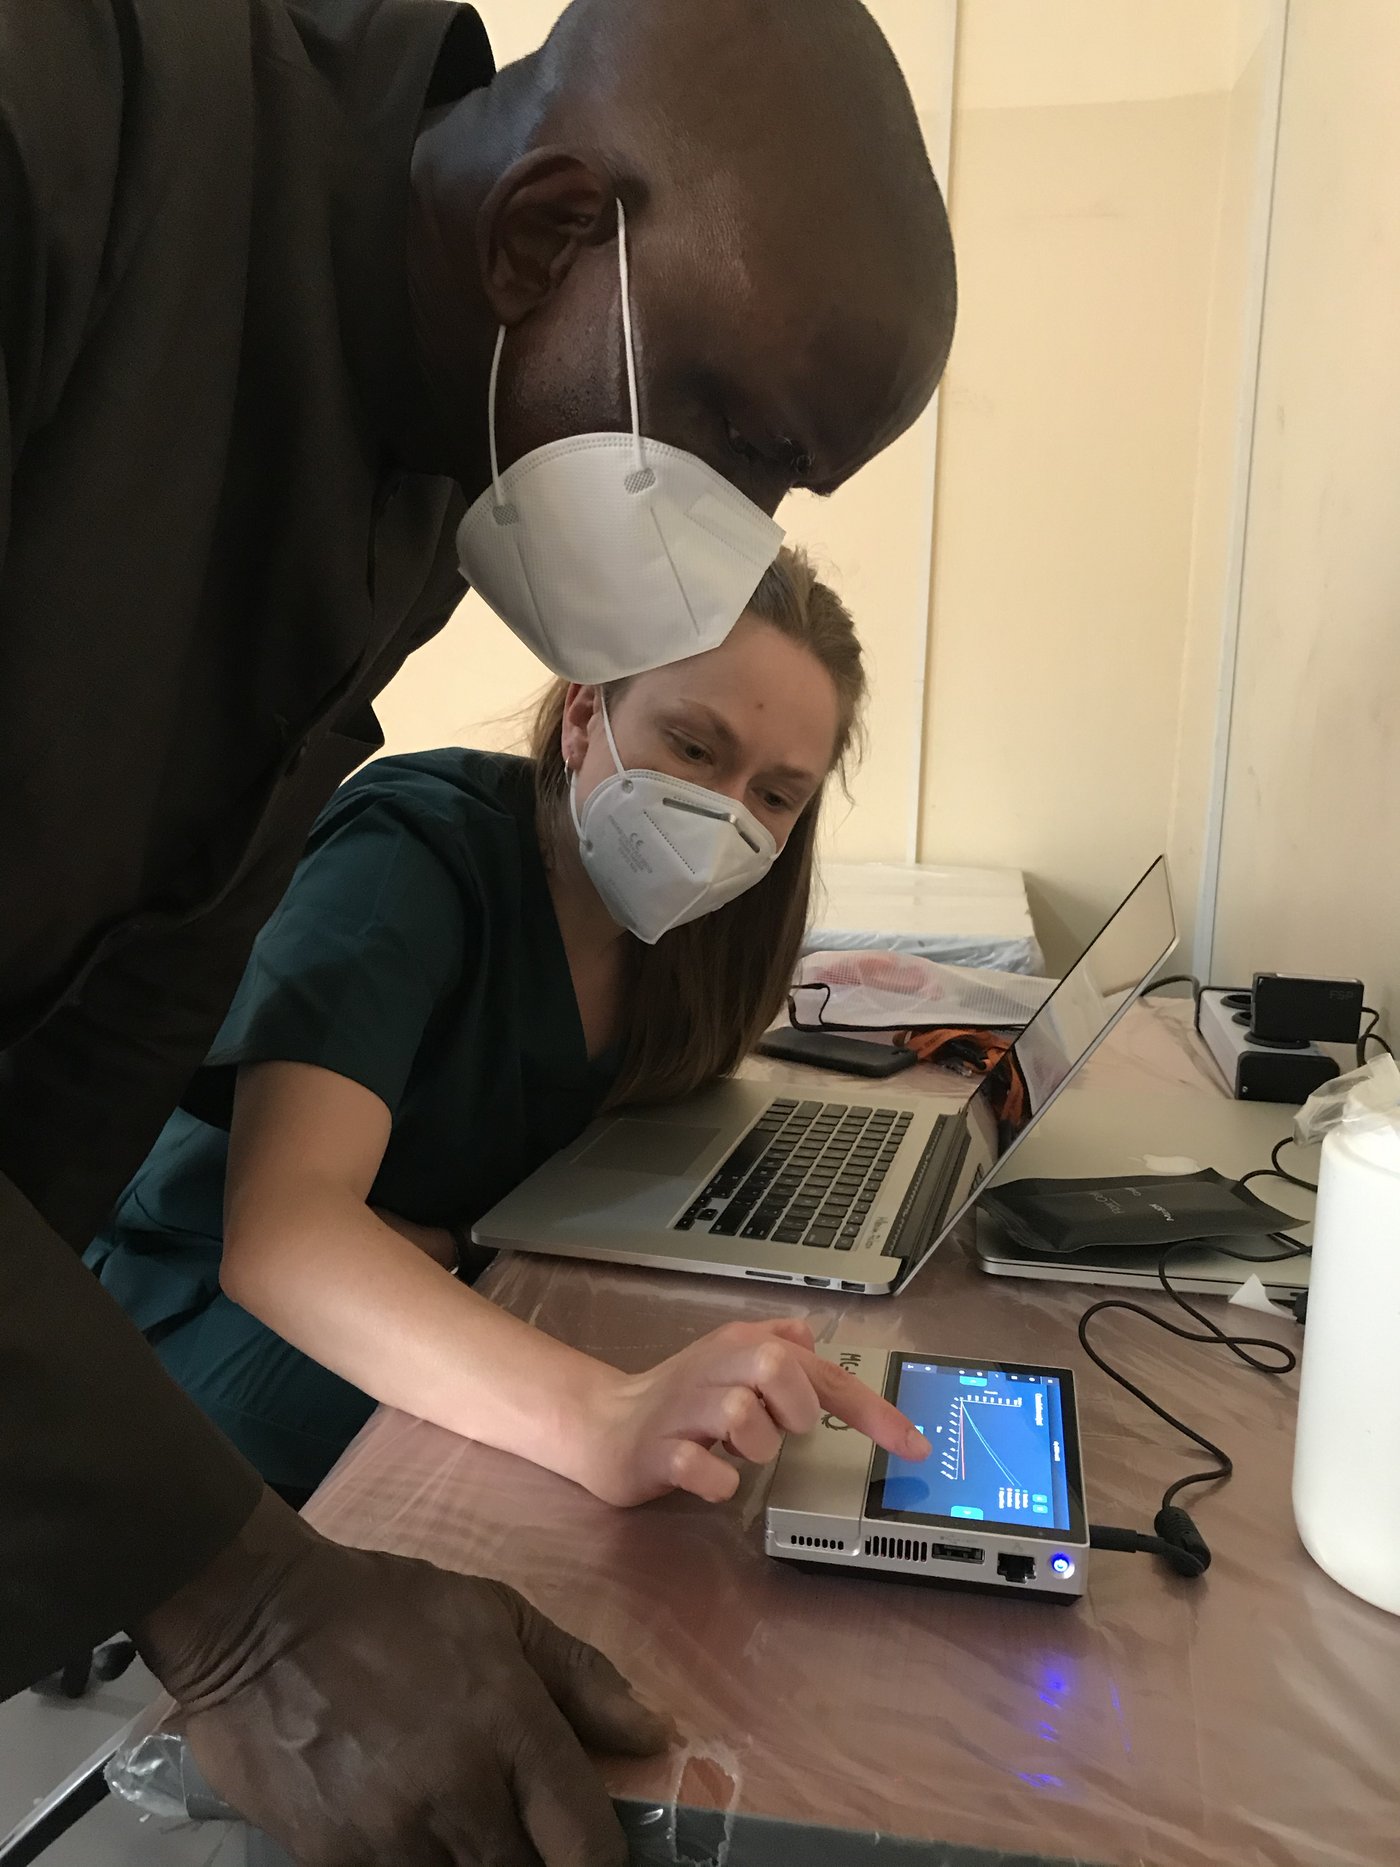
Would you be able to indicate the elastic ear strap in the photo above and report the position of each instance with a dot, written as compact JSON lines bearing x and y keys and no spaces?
{"x":607,"y":728}
{"x":491,"y":415}
{"x":626,"y":271}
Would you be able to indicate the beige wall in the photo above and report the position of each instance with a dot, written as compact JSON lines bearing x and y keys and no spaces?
{"x":1053,"y":707}
{"x":1103,"y":160}
{"x":1309,"y":877}
{"x":1228,"y":401}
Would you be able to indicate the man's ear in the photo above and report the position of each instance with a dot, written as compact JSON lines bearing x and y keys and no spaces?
{"x":533,"y":225}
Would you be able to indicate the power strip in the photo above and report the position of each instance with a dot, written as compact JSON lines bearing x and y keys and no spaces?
{"x":1258,"y":1069}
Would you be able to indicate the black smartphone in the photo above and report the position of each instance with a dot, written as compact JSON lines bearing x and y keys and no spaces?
{"x":826,"y":1050}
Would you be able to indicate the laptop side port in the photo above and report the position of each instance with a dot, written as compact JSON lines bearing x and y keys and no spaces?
{"x":1016,"y":1568}
{"x":956,"y":1552}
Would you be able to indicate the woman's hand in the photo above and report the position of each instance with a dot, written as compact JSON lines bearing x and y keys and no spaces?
{"x":742,"y":1387}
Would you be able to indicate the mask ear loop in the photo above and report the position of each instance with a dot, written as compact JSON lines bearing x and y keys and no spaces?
{"x":644,"y":477}
{"x":501,"y":504}
{"x":616,"y":759}
{"x":624,"y":268}
{"x":607,"y":728}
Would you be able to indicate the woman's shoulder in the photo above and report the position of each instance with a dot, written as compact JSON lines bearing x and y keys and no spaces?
{"x":455,"y":783}
{"x":458,"y":802}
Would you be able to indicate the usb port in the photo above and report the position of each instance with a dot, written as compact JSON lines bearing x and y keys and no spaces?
{"x":955,"y":1552}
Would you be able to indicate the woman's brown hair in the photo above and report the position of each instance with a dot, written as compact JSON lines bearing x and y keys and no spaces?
{"x":703,"y":996}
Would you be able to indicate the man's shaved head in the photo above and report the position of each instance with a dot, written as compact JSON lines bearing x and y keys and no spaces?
{"x":793,"y":271}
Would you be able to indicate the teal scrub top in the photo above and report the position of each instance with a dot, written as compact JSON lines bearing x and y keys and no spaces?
{"x":416,"y":953}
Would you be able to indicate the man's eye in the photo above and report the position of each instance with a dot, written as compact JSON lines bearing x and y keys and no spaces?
{"x":745,"y":449}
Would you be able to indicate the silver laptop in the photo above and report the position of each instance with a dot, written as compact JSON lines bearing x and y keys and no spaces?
{"x":1100,"y":1131}
{"x":850,"y":1192}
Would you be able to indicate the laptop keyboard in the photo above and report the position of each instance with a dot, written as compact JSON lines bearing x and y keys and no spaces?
{"x":807,"y":1173}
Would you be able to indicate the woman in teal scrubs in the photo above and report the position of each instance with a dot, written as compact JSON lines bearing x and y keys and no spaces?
{"x":441,"y":1002}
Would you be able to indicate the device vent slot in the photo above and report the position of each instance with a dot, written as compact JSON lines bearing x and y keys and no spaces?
{"x":897,"y":1548}
{"x":817,"y":1542}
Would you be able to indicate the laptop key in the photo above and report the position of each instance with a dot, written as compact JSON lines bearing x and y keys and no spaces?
{"x":788,"y":1235}
{"x":821,"y":1235}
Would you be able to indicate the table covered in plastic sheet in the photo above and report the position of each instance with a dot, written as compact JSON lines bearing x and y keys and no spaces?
{"x":1251,"y":1719}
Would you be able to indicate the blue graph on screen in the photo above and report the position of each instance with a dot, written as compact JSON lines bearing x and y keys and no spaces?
{"x":998,"y":1452}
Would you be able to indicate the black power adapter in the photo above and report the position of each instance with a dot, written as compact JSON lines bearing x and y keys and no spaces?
{"x":1298,"y":1008}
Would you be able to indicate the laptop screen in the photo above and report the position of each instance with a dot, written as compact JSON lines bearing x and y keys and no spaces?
{"x":1070,"y":1025}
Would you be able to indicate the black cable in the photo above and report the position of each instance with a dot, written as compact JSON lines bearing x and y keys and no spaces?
{"x":1275,"y":1172}
{"x":1176,"y":978}
{"x":1176,"y":1539}
{"x":1370,"y":1036}
{"x":1210,"y":1332}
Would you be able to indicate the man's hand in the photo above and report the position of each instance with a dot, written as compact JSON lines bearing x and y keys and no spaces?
{"x":742,"y":1387}
{"x":365,"y":1710}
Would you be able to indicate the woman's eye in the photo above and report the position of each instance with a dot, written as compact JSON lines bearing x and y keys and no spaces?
{"x":780,"y":805}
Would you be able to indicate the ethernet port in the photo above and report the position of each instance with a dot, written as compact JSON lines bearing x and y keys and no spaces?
{"x":1016,"y":1568}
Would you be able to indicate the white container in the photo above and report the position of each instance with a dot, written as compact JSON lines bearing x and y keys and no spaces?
{"x":1346,"y":1469}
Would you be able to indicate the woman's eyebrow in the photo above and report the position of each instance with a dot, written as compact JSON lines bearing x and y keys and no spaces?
{"x":714,"y":722}
{"x":720,"y":728}
{"x":793,"y":774}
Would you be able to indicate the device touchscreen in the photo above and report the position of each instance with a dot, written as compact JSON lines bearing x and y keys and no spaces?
{"x":1005,"y":1448}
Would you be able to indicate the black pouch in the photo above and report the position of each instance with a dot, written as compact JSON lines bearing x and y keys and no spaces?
{"x":1057,"y":1216}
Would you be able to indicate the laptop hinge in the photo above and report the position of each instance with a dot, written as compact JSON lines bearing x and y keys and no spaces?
{"x":938,"y":1169}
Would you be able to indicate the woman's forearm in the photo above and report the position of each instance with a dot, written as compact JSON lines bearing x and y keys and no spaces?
{"x":343,"y":1286}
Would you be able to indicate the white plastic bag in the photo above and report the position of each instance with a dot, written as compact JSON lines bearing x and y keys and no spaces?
{"x":872,"y":991}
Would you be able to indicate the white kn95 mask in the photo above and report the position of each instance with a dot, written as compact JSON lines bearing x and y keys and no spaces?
{"x":609,"y":554}
{"x":662,"y":852}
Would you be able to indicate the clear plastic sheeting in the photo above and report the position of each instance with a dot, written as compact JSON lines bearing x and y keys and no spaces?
{"x":1249,"y":1719}
{"x":154,"y":1772}
{"x":1362,"y":1096}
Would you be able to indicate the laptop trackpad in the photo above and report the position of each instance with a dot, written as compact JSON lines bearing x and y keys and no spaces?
{"x":647,"y":1147}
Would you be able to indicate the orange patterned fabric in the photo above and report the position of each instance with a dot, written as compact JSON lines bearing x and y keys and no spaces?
{"x":976,"y":1053}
